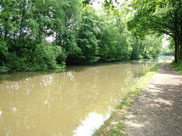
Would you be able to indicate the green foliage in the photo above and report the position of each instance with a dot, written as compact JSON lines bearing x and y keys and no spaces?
{"x":3,"y":51}
{"x":177,"y":66}
{"x":79,"y":35}
{"x":24,"y":25}
{"x":100,"y":38}
{"x":113,"y":42}
{"x":115,"y":132}
{"x":86,"y":39}
{"x":163,"y":17}
{"x":149,"y":47}
{"x":152,"y":46}
{"x":44,"y":57}
{"x":4,"y":69}
{"x":136,"y":46}
{"x":167,"y":51}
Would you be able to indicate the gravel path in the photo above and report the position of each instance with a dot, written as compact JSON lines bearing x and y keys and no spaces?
{"x":158,"y":111}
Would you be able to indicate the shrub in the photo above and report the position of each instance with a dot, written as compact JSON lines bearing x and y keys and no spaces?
{"x":45,"y":56}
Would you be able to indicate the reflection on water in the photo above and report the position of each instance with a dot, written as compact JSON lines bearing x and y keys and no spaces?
{"x":92,"y":122}
{"x":69,"y":103}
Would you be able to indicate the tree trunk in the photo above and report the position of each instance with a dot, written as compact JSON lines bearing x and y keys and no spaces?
{"x":176,"y":49}
{"x":176,"y":37}
{"x":180,"y":49}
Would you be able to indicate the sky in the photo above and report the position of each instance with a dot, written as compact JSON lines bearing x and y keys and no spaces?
{"x":165,"y":41}
{"x":97,"y":3}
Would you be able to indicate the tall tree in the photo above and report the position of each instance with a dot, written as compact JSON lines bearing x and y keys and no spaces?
{"x":159,"y":16}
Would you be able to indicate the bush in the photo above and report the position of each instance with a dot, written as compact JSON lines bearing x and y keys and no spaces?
{"x":45,"y":56}
{"x":4,"y":69}
{"x":3,"y":51}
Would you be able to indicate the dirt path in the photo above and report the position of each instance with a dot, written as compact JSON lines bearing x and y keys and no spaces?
{"x":158,"y":111}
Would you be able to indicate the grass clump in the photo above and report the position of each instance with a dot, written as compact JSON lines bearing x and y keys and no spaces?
{"x":177,"y":66}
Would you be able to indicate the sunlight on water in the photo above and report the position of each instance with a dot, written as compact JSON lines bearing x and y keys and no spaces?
{"x":1,"y":113}
{"x":92,"y":122}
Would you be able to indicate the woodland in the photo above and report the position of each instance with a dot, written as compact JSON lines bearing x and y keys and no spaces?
{"x":82,"y":34}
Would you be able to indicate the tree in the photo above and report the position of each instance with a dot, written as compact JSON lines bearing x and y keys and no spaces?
{"x":25,"y":24}
{"x":112,"y":34}
{"x":87,"y":41}
{"x":164,"y":17}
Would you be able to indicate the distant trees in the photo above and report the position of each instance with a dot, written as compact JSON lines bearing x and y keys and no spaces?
{"x":79,"y":35}
{"x":113,"y":38}
{"x":148,"y":47}
{"x":163,"y":17}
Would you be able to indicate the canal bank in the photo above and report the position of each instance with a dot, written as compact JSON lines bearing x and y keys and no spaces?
{"x":157,"y":111}
{"x":114,"y":126}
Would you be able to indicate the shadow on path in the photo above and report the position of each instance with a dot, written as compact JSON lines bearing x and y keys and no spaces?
{"x":158,"y":111}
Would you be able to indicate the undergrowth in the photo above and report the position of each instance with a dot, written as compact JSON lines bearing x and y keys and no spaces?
{"x":177,"y":66}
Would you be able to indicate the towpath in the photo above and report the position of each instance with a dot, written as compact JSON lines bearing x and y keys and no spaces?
{"x":158,"y":111}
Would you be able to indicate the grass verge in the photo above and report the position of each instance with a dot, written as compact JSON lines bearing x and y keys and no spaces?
{"x":114,"y":125}
{"x":177,"y":66}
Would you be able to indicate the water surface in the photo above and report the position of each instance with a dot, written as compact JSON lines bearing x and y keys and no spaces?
{"x":71,"y":103}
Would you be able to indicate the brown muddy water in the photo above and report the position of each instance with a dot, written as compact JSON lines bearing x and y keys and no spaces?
{"x":71,"y":103}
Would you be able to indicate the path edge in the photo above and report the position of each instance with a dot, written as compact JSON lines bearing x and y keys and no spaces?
{"x":114,"y":125}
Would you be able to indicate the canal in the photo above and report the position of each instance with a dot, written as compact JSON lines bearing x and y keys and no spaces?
{"x":71,"y":103}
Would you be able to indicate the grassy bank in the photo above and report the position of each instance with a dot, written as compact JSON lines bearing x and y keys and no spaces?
{"x":114,"y":126}
{"x":177,"y":66}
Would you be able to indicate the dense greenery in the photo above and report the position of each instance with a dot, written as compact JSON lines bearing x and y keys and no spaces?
{"x":79,"y":35}
{"x":167,"y":51}
{"x":24,"y":25}
{"x":149,"y":47}
{"x":161,"y":16}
